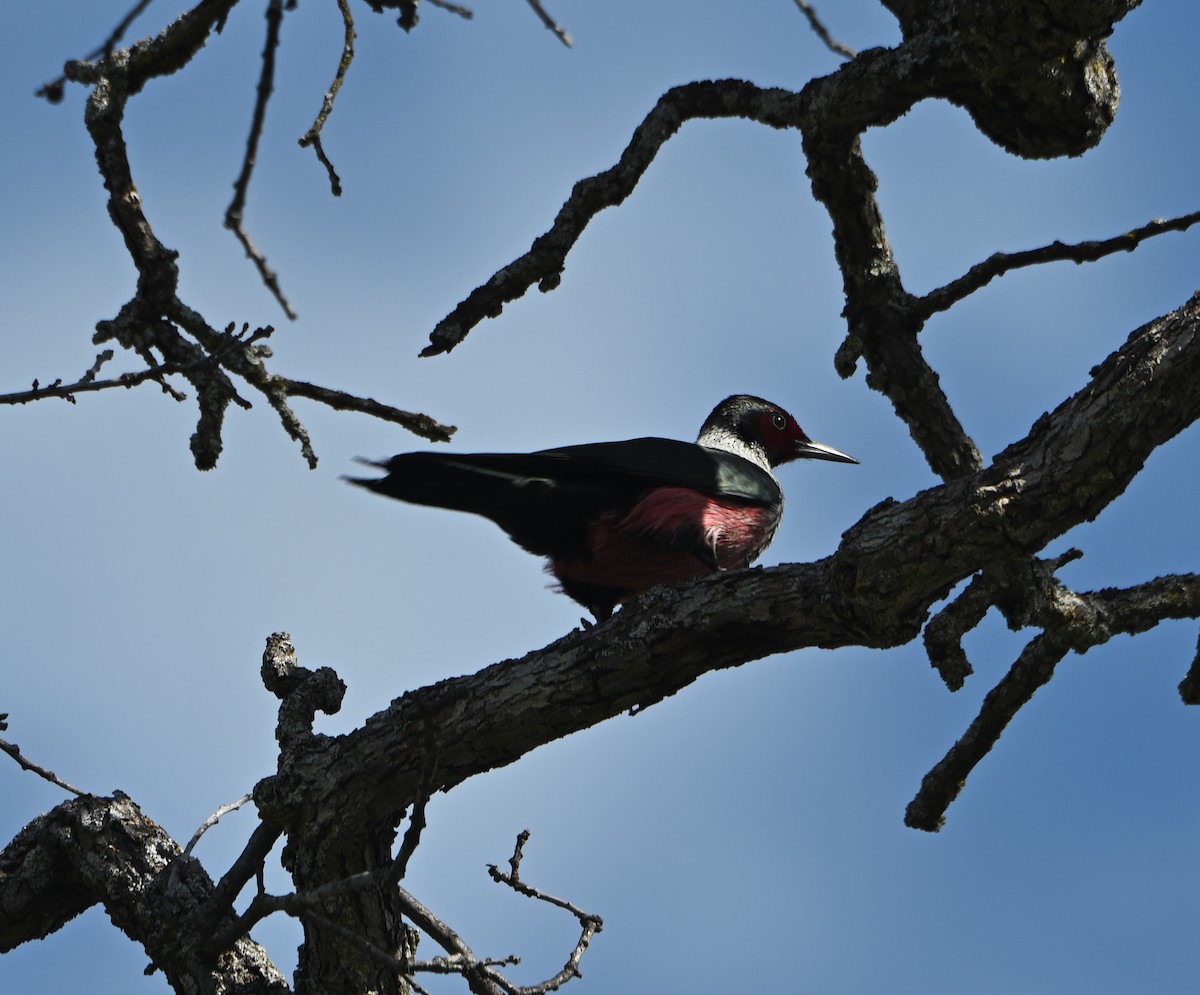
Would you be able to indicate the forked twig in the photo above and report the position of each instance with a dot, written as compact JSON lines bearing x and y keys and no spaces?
{"x":313,"y":135}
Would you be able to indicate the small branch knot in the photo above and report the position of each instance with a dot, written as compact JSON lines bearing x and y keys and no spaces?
{"x":303,"y":692}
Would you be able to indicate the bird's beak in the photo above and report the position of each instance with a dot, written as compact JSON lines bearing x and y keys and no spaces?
{"x":818,"y":450}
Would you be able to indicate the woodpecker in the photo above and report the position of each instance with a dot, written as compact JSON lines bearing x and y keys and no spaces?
{"x":614,"y":519}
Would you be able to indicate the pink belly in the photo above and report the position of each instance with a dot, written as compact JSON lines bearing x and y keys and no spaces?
{"x":664,"y":540}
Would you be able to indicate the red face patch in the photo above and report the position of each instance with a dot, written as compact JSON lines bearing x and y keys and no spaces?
{"x":780,"y":435}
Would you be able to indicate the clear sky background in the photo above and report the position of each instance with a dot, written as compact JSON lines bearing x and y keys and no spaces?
{"x":746,"y":834}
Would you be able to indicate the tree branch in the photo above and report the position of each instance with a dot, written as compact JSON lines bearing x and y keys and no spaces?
{"x":155,"y":324}
{"x":416,"y":423}
{"x":1189,"y":687}
{"x":212,"y":820}
{"x":549,"y":22}
{"x":890,"y":568}
{"x":589,"y":923}
{"x":313,"y":135}
{"x":25,"y":763}
{"x":543,"y":264}
{"x":53,"y":91}
{"x":822,"y":32}
{"x":104,"y":850}
{"x":1033,"y":668}
{"x":234,"y":212}
{"x":981,"y":274}
{"x":1071,"y":622}
{"x":1001,"y":584}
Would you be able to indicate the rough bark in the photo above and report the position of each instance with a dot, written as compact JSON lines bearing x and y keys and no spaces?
{"x":104,"y":850}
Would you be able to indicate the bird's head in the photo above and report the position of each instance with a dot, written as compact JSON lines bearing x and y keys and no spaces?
{"x":763,"y":432}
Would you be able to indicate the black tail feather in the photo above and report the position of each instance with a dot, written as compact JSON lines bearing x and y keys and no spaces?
{"x":540,"y":513}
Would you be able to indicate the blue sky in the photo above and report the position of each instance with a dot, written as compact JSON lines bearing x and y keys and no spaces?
{"x":746,"y":834}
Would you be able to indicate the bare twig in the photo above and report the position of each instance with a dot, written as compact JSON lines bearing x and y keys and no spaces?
{"x":408,"y":13}
{"x":409,"y":17}
{"x":822,"y":32}
{"x":590,"y":924}
{"x":212,"y":820}
{"x":234,"y":213}
{"x":514,"y":862}
{"x":550,"y":23}
{"x":313,"y":135}
{"x":1000,"y":263}
{"x":479,"y":973}
{"x":156,"y":322}
{"x":14,"y":751}
{"x":223,"y":346}
{"x":305,"y":905}
{"x":454,"y":963}
{"x":88,"y":384}
{"x":513,"y":880}
{"x":416,"y":423}
{"x":102,"y":357}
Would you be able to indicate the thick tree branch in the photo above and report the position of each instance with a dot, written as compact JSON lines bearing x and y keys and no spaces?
{"x":104,"y":850}
{"x":95,"y":850}
{"x":891,"y":567}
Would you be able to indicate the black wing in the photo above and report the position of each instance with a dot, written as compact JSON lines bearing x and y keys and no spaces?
{"x":547,"y":500}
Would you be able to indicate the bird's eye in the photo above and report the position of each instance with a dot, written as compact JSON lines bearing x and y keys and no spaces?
{"x":779,"y":421}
